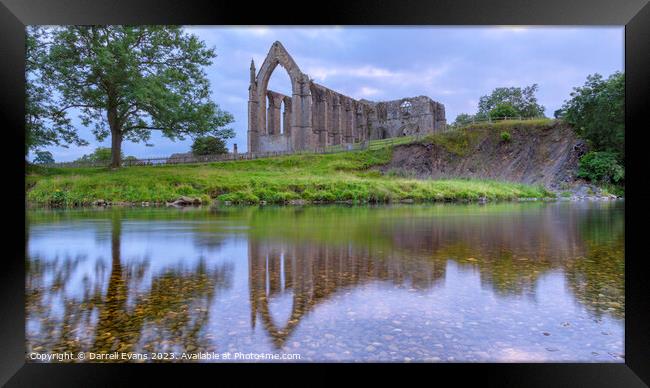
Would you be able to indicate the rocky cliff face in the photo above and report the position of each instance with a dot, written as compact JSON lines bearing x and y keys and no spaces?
{"x":545,"y":154}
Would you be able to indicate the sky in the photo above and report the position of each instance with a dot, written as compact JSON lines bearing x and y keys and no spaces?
{"x":452,"y":65}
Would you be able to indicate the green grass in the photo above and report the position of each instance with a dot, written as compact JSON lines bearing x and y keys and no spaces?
{"x":462,"y":140}
{"x":340,"y":177}
{"x":504,"y":125}
{"x":616,"y":189}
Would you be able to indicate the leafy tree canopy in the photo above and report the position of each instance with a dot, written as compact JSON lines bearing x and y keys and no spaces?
{"x":43,"y":157}
{"x":127,"y":81}
{"x":503,"y":110}
{"x":45,"y":123}
{"x":523,"y":101}
{"x":462,"y":119}
{"x":597,"y":112}
{"x":209,"y":145}
{"x":102,"y":155}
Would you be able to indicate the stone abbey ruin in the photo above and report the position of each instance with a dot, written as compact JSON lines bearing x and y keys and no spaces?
{"x":314,"y":116}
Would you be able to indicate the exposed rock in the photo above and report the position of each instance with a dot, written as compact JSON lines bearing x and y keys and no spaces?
{"x":547,"y":156}
{"x":581,"y":190}
{"x":185,"y":201}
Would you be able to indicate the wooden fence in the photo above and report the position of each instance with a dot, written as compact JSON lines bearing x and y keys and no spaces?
{"x":488,"y":119}
{"x":367,"y":144}
{"x":372,"y":144}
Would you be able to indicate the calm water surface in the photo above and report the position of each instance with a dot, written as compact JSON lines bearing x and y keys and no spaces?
{"x":459,"y":283}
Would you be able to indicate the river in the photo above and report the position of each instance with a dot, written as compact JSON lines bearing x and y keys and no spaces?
{"x":507,"y":282}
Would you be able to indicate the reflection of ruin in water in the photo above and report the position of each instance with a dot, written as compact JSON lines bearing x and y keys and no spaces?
{"x":510,"y":253}
{"x":313,"y":273}
{"x":301,"y":258}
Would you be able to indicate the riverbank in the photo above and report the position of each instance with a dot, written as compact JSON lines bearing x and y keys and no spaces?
{"x":535,"y":152}
{"x":308,"y":178}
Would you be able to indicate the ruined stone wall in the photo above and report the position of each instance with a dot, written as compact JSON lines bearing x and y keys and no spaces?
{"x":315,"y":116}
{"x":274,"y":143}
{"x":265,"y":107}
{"x":277,"y":134}
{"x":406,"y":117}
{"x":337,"y":118}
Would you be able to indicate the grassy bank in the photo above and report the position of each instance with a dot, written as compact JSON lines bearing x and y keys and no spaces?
{"x":344,"y":176}
{"x":460,"y":141}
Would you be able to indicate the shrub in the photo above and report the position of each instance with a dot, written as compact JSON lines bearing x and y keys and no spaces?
{"x":505,"y":136}
{"x":59,"y":198}
{"x":601,"y":167}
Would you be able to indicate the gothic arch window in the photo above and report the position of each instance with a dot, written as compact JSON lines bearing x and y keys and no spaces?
{"x":278,"y":56}
{"x":406,"y":107}
{"x":283,"y":115}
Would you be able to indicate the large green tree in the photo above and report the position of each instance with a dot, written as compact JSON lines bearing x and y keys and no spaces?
{"x":43,"y":157}
{"x":101,"y":155}
{"x":597,"y":112}
{"x":127,"y":81}
{"x":523,"y":101}
{"x":209,"y":145}
{"x":462,"y":119}
{"x":503,"y":110}
{"x":46,"y":123}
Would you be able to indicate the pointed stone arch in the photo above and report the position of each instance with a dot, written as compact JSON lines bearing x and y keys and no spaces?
{"x":301,"y":104}
{"x":278,"y":55}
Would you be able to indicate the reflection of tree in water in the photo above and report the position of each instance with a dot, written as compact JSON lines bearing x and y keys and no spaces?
{"x":314,"y":272}
{"x":170,"y":315}
{"x":45,"y":283}
{"x":597,"y":279}
{"x":309,"y":256}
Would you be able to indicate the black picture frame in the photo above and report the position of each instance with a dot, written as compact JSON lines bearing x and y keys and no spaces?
{"x":634,"y":14}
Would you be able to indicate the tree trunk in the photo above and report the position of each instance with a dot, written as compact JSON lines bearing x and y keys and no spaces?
{"x":116,"y":130}
{"x":116,"y":137}
{"x":116,"y":149}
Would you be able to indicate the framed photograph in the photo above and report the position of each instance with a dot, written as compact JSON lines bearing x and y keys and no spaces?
{"x":397,"y":187}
